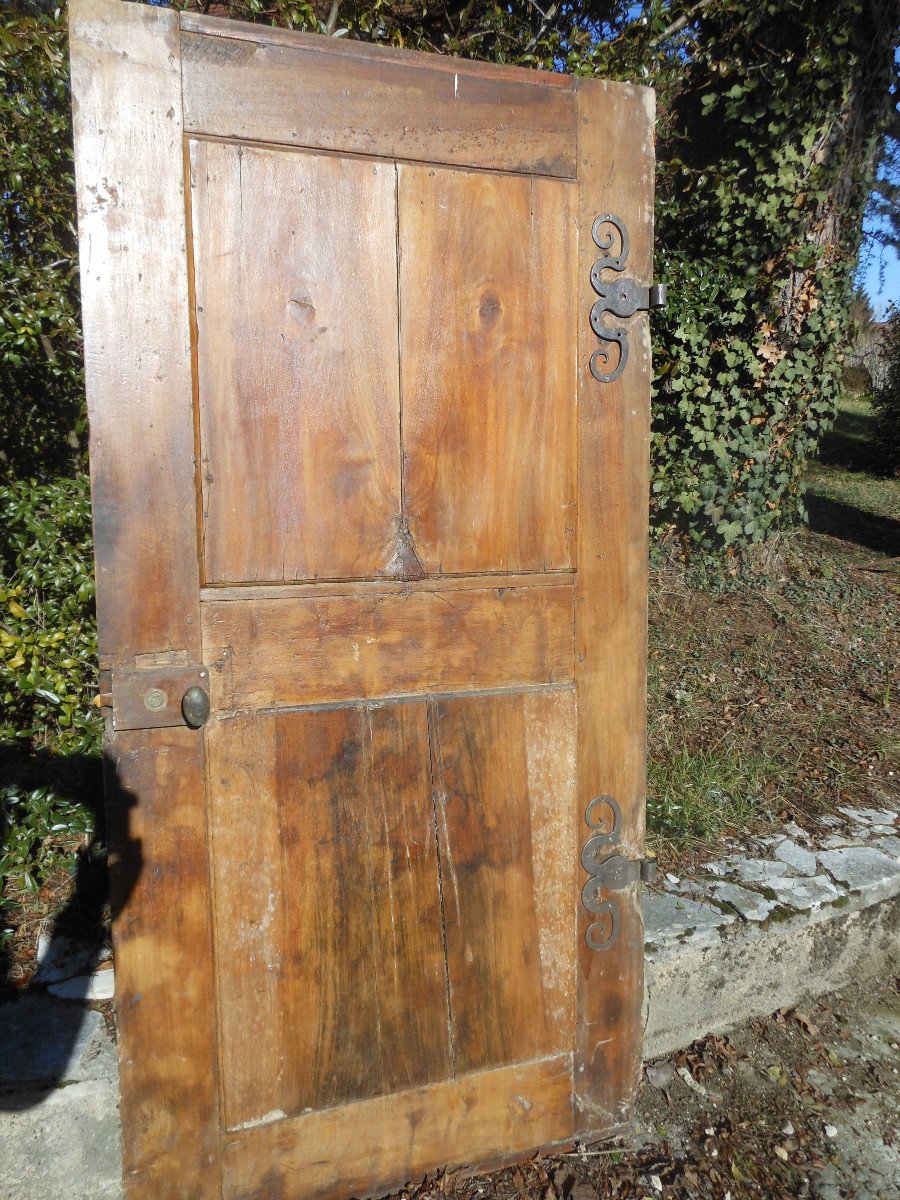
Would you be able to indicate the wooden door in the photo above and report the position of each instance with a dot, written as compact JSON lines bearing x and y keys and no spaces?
{"x":358,"y":477}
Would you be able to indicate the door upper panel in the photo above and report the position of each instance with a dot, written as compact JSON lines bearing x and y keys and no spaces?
{"x":305,"y":412}
{"x":488,"y":369}
{"x":296,"y":301}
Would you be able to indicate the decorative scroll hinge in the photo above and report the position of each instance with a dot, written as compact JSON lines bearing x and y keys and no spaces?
{"x":622,"y":297}
{"x":610,"y":874}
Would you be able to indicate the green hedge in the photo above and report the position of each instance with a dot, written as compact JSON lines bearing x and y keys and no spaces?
{"x":43,"y":426}
{"x":49,"y":728}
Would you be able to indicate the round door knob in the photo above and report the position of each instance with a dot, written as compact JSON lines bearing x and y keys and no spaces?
{"x":195,"y":707}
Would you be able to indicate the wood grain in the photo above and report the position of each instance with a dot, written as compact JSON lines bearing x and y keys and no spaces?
{"x":126,"y":95}
{"x":249,"y":917}
{"x":489,"y":864}
{"x":550,"y":729}
{"x":156,"y":819}
{"x":369,"y":1148}
{"x":397,"y":768}
{"x":354,"y":51}
{"x":488,"y":370}
{"x":296,"y":285}
{"x":386,"y":587}
{"x":615,"y":137}
{"x":310,"y":91}
{"x":126,"y":89}
{"x":335,"y":948}
{"x":289,"y":652}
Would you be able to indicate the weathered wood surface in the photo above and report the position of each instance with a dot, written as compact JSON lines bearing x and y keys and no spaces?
{"x":296,"y":279}
{"x":126,"y":88}
{"x":333,"y":946}
{"x":378,"y":835}
{"x":615,"y":138}
{"x":272,"y":652}
{"x":487,"y":370}
{"x":510,"y":988}
{"x":246,"y":82}
{"x":126,"y":94}
{"x":366,"y":1149}
{"x":410,"y":529}
{"x":156,"y":818}
{"x":387,"y":587}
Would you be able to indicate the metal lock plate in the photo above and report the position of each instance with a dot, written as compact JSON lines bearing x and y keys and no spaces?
{"x":151,"y":697}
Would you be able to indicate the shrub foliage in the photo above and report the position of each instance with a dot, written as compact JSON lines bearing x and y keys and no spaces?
{"x":42,"y":420}
{"x":48,"y":676}
{"x":886,"y":401}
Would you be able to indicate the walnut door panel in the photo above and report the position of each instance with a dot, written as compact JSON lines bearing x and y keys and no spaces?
{"x":487,"y":369}
{"x":331,"y":965}
{"x":296,"y":308}
{"x":305,"y":411}
{"x":393,"y":895}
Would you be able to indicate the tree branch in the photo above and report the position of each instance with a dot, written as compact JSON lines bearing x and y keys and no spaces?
{"x":331,"y":23}
{"x":681,"y":22}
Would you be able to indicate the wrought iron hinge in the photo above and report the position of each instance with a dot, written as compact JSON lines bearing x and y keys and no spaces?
{"x":610,"y":874}
{"x":622,"y":297}
{"x":617,"y":872}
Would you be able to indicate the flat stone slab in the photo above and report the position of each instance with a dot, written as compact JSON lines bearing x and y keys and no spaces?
{"x":890,"y":845}
{"x":869,"y":816}
{"x":60,"y":958}
{"x":99,"y":986}
{"x":836,"y":841}
{"x":802,"y":860}
{"x":752,"y":906}
{"x":871,"y":873}
{"x":750,"y":870}
{"x":804,"y":895}
{"x":61,"y":1144}
{"x":42,"y":1041}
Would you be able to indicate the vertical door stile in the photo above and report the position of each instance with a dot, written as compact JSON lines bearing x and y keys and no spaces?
{"x":615,"y":164}
{"x":437,"y":791}
{"x":127,"y":104}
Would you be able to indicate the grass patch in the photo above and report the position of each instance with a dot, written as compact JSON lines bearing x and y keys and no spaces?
{"x":695,"y":796}
{"x":848,"y":494}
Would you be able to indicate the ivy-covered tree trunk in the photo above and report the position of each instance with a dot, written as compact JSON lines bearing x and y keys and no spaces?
{"x":768,"y":158}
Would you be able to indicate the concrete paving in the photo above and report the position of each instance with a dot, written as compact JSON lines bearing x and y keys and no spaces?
{"x":59,"y":1103}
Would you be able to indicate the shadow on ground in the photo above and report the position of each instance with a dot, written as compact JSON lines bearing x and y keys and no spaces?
{"x":866,"y":529}
{"x":852,"y":443}
{"x":39,"y":1036}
